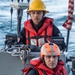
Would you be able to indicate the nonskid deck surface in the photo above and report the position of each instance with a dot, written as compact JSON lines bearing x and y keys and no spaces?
{"x":10,"y":65}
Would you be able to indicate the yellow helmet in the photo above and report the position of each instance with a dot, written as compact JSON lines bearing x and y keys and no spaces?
{"x":37,"y":5}
{"x":50,"y":49}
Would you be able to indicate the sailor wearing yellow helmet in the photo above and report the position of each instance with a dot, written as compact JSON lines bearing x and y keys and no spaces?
{"x":39,"y":28}
{"x":49,"y":62}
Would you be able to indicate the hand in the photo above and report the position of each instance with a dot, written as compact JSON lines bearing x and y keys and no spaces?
{"x":25,"y":47}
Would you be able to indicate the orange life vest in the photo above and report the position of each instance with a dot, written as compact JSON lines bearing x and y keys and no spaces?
{"x":42,"y":69}
{"x":43,"y":34}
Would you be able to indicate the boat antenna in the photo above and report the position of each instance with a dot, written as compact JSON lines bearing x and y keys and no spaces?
{"x":11,"y":11}
{"x":19,"y":17}
{"x":27,"y":9}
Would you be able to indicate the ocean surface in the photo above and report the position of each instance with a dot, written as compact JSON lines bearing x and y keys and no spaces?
{"x":58,"y":9}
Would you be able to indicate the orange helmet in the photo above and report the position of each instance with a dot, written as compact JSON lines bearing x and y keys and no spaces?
{"x":50,"y":49}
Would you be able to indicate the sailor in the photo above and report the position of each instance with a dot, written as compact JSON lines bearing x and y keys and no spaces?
{"x":48,"y":63}
{"x":39,"y":29}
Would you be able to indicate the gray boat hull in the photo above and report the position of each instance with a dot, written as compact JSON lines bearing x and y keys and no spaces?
{"x":10,"y":65}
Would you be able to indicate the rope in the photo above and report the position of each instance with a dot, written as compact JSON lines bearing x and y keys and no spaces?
{"x":68,"y":22}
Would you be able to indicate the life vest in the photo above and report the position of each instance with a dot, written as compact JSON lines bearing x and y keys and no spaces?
{"x":43,"y":34}
{"x":43,"y":70}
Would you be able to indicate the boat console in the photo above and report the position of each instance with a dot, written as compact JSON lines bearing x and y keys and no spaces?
{"x":11,"y":39}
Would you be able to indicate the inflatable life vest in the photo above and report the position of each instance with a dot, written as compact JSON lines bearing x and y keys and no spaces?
{"x":43,"y":35}
{"x":43,"y":70}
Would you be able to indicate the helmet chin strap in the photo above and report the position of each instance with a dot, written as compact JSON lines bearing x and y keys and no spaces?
{"x":43,"y":60}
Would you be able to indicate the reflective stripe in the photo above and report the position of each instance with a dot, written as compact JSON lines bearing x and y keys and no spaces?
{"x":44,"y":50}
{"x":57,"y":51}
{"x":33,"y":42}
{"x":41,"y":42}
{"x":52,"y":52}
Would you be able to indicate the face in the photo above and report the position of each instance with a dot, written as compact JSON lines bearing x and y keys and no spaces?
{"x":36,"y":16}
{"x":51,"y":61}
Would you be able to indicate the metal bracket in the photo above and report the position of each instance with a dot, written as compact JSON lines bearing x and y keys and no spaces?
{"x":19,"y":5}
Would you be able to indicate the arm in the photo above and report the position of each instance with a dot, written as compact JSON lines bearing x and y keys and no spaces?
{"x":56,"y":31}
{"x":21,"y":37}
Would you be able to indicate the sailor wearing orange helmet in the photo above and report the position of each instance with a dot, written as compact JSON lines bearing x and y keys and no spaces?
{"x":48,"y":63}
